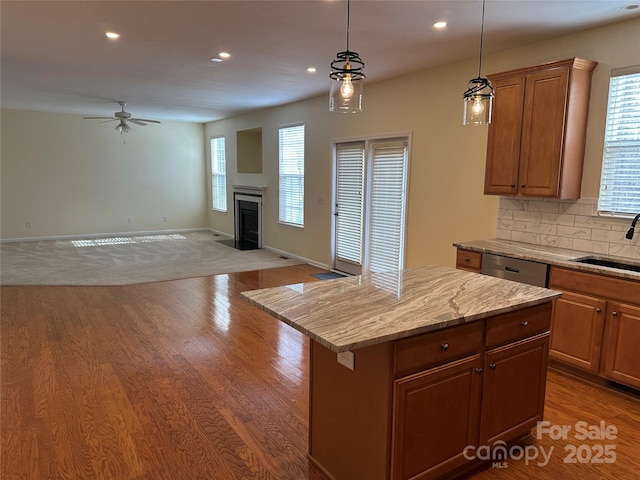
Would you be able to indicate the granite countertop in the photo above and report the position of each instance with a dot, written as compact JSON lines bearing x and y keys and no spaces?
{"x":560,"y":257}
{"x":355,"y":312}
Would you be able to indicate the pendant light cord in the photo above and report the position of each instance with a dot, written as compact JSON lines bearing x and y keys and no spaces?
{"x":481,"y":37}
{"x":348,"y":22}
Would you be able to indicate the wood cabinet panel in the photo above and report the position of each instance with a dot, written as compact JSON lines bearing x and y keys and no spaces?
{"x":468,"y":260}
{"x":536,"y":139}
{"x":594,"y":284}
{"x":417,"y":353}
{"x":623,"y":355}
{"x":513,"y":326}
{"x":513,"y":390}
{"x":445,"y":400}
{"x":576,"y":330}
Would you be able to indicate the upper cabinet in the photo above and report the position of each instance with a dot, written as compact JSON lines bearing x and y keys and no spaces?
{"x":537,"y":135}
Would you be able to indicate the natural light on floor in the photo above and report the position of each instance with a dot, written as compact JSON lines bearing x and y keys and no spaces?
{"x":97,"y":242}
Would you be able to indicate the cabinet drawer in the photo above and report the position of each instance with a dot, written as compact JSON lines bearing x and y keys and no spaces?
{"x":416,"y":353}
{"x":514,"y":326}
{"x":468,"y":260}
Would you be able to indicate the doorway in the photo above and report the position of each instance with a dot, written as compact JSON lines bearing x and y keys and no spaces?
{"x":370,"y":197}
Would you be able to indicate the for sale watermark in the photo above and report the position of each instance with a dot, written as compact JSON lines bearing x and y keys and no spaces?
{"x":597,"y":446}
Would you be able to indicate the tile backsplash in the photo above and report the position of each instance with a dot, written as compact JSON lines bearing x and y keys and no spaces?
{"x":567,"y":224}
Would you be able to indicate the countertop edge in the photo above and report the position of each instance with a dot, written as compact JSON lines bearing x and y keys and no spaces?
{"x":555,"y":256}
{"x":553,"y":294}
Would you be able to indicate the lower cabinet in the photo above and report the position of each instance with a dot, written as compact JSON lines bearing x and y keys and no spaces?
{"x":436,"y":415}
{"x":623,"y":357}
{"x":596,"y":324}
{"x":478,"y":400}
{"x":577,"y":328}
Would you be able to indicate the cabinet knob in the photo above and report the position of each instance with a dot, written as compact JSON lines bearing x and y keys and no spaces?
{"x":523,"y":186}
{"x":513,"y":185}
{"x":615,"y":314}
{"x":478,"y":371}
{"x":444,"y":346}
{"x":524,"y":324}
{"x":598,"y":310}
{"x":467,"y":259}
{"x":492,"y":366}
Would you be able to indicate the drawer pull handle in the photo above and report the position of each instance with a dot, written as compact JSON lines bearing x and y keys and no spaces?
{"x":615,"y":314}
{"x":524,"y":324}
{"x":598,"y":310}
{"x":467,"y":259}
{"x":478,"y":371}
{"x":444,"y":346}
{"x":492,"y":366}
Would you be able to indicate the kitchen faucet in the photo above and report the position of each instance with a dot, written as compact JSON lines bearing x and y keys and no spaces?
{"x":633,"y":226}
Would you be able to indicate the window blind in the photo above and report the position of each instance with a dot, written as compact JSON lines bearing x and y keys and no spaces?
{"x":386,"y":229}
{"x":218,"y":174}
{"x":350,"y":202}
{"x":291,"y":174}
{"x":620,"y":180}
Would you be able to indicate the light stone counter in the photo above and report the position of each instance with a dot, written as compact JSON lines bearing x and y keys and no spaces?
{"x":355,"y":312}
{"x":560,"y":257}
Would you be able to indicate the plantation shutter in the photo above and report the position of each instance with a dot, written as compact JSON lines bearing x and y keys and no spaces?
{"x":291,"y":168}
{"x":350,"y":202}
{"x":620,"y":180}
{"x":386,"y":230}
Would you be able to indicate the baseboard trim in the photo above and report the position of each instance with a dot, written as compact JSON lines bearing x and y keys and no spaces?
{"x":296,"y":257}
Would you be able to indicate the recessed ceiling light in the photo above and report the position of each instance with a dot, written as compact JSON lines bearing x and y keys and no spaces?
{"x":112,"y":35}
{"x":312,"y":70}
{"x":440,"y":24}
{"x":224,"y":55}
{"x":631,"y":6}
{"x":216,"y":59}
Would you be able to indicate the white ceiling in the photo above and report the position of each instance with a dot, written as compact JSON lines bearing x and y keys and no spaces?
{"x":56,"y":58}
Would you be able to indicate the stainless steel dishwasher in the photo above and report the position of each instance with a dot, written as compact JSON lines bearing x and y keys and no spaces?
{"x":524,"y":271}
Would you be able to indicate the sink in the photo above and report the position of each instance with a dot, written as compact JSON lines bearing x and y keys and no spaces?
{"x":603,"y":262}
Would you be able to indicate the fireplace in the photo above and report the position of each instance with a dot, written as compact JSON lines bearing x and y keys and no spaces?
{"x":247,"y":217}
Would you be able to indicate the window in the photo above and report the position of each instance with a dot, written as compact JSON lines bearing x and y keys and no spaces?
{"x":620,"y":180}
{"x":291,"y":173}
{"x":218,"y":175}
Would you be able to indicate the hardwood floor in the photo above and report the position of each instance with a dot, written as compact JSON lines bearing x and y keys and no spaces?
{"x":183,"y":380}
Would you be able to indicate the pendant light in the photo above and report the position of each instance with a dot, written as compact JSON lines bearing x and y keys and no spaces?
{"x":345,"y":94}
{"x":478,"y":99}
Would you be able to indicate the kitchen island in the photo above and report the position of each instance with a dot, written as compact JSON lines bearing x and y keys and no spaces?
{"x":412,"y":370}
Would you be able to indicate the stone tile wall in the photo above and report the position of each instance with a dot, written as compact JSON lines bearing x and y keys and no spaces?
{"x":565,"y":223}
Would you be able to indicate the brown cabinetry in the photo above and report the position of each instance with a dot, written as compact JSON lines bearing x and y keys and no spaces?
{"x":468,"y":260}
{"x":476,"y":400}
{"x":596,"y":324}
{"x":410,"y":407}
{"x":537,"y":135}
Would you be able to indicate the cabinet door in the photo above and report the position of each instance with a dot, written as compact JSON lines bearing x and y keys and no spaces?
{"x":543,"y":129}
{"x":623,"y":356}
{"x":514,"y":387}
{"x":435,"y":417}
{"x":503,"y":144}
{"x":576,"y":330}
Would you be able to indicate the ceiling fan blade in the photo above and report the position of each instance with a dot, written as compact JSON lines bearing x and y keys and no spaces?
{"x":137,"y":122}
{"x":110,"y":120}
{"x":145,"y":120}
{"x":99,"y":118}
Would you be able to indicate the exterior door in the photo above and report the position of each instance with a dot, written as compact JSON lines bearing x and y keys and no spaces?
{"x":370,"y":205}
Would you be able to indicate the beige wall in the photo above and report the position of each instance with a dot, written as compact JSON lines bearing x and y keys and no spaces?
{"x":70,"y":176}
{"x":446,"y":202}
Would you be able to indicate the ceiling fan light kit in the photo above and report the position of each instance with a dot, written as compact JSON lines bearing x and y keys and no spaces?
{"x":123,"y":118}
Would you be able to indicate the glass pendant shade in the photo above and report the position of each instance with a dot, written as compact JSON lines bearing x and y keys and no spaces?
{"x":478,"y":102}
{"x":123,"y":128}
{"x":347,"y":83}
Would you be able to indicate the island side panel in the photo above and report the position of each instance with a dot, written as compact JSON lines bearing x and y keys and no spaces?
{"x":350,"y":412}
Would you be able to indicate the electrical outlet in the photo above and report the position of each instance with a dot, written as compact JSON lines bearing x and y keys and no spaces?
{"x":130,"y":220}
{"x":347,"y":359}
{"x":27,"y":224}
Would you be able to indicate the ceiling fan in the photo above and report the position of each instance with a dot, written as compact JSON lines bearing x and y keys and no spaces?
{"x":123,"y":117}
